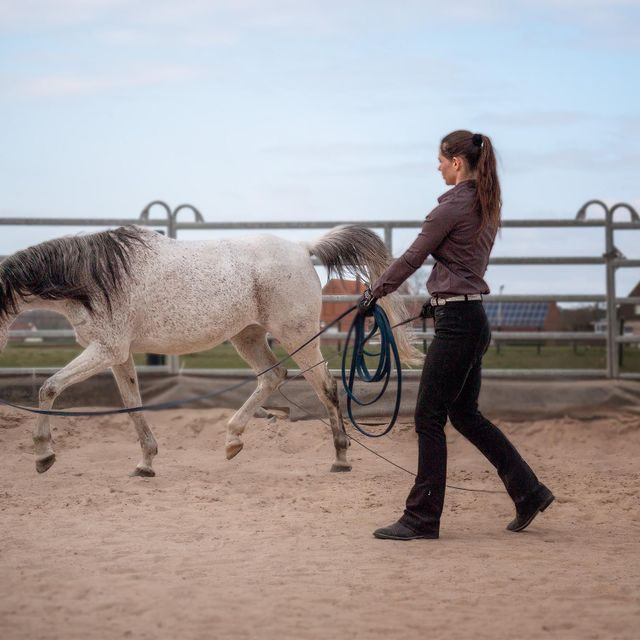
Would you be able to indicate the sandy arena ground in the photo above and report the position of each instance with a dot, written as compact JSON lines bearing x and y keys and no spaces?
{"x":271,"y":545}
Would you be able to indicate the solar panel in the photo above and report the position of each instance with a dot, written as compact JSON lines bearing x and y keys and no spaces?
{"x":516,"y":314}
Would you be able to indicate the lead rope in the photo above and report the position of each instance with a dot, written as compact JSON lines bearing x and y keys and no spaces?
{"x":161,"y":406}
{"x":383,"y":371}
{"x":388,"y":357}
{"x":168,"y":405}
{"x":353,"y":439}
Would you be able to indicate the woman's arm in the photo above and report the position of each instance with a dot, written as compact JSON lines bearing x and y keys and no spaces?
{"x":434,"y":230}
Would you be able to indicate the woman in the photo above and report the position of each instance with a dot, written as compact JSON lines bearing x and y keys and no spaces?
{"x":459,"y":233}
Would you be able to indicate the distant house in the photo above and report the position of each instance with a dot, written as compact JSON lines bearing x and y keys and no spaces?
{"x":629,"y":313}
{"x":523,"y":316}
{"x":21,"y":325}
{"x":42,"y":319}
{"x":331,"y":310}
{"x":39,"y":319}
{"x":600,"y":326}
{"x":503,"y":316}
{"x":24,"y":325}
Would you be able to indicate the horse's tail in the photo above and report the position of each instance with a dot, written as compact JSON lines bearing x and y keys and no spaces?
{"x":355,"y":249}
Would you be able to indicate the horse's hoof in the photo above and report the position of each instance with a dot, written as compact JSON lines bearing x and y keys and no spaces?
{"x":144,"y":472}
{"x":232,"y":450}
{"x":340,"y":466}
{"x":44,"y":464}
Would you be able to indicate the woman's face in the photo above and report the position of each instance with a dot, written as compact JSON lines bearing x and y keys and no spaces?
{"x":448,"y":169}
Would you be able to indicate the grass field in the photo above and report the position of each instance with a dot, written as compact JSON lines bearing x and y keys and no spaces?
{"x":225,"y":357}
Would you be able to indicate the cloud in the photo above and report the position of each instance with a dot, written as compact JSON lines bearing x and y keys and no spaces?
{"x":51,"y":14}
{"x":571,"y":159}
{"x":62,"y":85}
{"x":535,"y":118}
{"x":214,"y":24}
{"x":201,"y":36}
{"x":604,"y":143}
{"x":406,"y":169}
{"x":359,"y":159}
{"x":356,"y":149}
{"x":277,"y":14}
{"x":594,"y":12}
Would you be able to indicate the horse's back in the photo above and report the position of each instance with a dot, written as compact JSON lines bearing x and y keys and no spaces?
{"x":267,"y":259}
{"x":207,"y":291}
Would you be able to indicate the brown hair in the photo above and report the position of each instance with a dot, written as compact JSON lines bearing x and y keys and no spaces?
{"x":477,"y":150}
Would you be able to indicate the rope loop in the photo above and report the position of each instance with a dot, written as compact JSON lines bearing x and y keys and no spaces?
{"x":387,"y":357}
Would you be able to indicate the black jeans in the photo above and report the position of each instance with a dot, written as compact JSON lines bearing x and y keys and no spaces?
{"x":450,"y":386}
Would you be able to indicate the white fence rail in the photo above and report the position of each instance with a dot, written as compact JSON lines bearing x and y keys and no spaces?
{"x":611,"y":260}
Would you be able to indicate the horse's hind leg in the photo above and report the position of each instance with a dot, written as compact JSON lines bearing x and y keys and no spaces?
{"x":127,"y":381}
{"x":251,"y":344}
{"x":326,"y":389}
{"x":92,"y":360}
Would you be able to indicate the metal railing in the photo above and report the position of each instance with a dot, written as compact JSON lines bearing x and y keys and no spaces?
{"x":612,"y":260}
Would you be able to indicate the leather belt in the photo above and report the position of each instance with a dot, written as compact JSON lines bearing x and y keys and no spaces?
{"x":439,"y":302}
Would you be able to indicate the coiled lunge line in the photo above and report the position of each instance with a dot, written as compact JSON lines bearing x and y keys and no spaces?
{"x":388,"y":357}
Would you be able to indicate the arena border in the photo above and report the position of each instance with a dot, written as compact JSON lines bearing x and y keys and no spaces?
{"x":611,"y":260}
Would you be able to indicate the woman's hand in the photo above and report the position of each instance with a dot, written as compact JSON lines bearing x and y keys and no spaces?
{"x":367,"y":303}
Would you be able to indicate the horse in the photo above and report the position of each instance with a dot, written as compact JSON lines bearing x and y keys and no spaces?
{"x":132,"y":290}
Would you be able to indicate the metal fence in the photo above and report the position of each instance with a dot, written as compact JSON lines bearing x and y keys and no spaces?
{"x":611,"y":261}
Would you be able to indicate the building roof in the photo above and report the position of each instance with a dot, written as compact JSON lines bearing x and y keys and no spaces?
{"x":517,"y":314}
{"x":337,"y":287}
{"x":629,"y":311}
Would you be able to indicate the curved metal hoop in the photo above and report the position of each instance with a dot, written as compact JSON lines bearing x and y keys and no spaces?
{"x":624,"y":205}
{"x":198,"y":216}
{"x":144,"y":214}
{"x":582,"y":212}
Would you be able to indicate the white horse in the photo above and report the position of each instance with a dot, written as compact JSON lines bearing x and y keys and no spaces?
{"x":132,"y":290}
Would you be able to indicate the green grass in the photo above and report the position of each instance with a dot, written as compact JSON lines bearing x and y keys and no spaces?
{"x":548,"y":357}
{"x":225,"y":357}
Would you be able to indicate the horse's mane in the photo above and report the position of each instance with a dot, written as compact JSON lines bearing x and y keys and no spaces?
{"x":83,"y":268}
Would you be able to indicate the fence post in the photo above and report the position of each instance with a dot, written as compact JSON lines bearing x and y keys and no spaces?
{"x":613,"y":368}
{"x":388,"y":237}
{"x":174,"y":361}
{"x":156,"y":359}
{"x":609,"y":256}
{"x":614,"y":328}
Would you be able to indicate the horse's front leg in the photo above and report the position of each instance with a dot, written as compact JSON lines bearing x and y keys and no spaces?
{"x":92,"y":360}
{"x":127,"y":380}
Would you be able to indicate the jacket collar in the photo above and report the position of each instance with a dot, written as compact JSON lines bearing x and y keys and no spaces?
{"x":461,"y":186}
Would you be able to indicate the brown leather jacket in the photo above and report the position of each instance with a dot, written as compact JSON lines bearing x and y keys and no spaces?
{"x":452,"y":234}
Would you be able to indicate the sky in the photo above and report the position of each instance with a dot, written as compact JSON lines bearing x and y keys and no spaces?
{"x":284,"y":110}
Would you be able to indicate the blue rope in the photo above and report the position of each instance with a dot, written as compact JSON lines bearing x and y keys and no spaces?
{"x":387,"y":357}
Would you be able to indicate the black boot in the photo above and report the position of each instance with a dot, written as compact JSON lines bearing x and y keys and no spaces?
{"x":529,"y":508}
{"x":400,"y":531}
{"x":423,"y":509}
